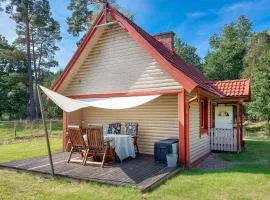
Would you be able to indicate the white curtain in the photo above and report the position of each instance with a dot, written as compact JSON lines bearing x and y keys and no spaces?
{"x":70,"y":105}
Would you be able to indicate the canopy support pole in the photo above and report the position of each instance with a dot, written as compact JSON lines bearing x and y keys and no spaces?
{"x":46,"y":130}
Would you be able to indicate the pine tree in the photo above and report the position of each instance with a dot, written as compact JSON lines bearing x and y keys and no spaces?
{"x":37,"y":34}
{"x":22,"y":11}
{"x":45,"y":32}
{"x":84,"y":13}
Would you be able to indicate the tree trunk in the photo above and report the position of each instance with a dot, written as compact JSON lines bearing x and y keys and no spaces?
{"x":29,"y":68}
{"x":36,"y":77}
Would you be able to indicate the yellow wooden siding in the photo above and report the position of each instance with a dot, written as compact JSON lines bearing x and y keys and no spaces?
{"x":199,"y":144}
{"x":83,"y":55}
{"x":116,"y":63}
{"x":74,"y":118}
{"x":157,"y":120}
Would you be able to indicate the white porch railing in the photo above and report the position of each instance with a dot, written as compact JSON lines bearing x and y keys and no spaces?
{"x":223,"y":139}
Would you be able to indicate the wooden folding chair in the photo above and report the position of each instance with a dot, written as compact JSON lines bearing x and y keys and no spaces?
{"x":77,"y":142}
{"x":97,"y":147}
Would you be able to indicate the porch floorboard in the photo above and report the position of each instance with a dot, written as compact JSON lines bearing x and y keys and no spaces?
{"x":141,"y":172}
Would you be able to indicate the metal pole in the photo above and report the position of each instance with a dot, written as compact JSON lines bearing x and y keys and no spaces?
{"x":15,"y":131}
{"x":45,"y":129}
{"x":50,"y":127}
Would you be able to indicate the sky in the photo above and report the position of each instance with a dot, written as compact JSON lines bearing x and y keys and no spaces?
{"x":194,"y":21}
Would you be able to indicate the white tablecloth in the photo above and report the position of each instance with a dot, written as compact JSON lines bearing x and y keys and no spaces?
{"x":123,"y":145}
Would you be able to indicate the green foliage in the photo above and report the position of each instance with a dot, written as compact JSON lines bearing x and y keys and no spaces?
{"x":225,"y":63}
{"x":22,"y":12}
{"x":78,"y":22}
{"x":13,"y":84}
{"x":238,"y":53}
{"x":45,"y":32}
{"x":52,"y":111}
{"x":257,"y":130}
{"x":258,"y":70}
{"x":260,"y":43}
{"x":13,"y":78}
{"x":37,"y":33}
{"x":83,"y":14}
{"x":225,"y":60}
{"x":187,"y":52}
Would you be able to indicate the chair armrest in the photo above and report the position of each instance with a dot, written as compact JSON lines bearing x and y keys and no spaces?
{"x":108,"y":140}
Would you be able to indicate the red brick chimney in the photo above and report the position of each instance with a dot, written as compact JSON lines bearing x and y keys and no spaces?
{"x":166,"y":38}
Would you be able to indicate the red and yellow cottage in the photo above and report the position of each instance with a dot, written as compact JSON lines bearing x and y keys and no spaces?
{"x":119,"y":59}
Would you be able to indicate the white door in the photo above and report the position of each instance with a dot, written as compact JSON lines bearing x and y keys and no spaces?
{"x":224,"y":117}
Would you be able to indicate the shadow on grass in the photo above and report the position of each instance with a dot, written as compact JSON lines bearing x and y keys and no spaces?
{"x":255,"y":158}
{"x":254,"y":129}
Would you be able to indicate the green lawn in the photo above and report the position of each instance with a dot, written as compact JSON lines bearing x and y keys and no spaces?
{"x":26,"y":129}
{"x":28,"y":142}
{"x":247,"y":176}
{"x":257,"y":130}
{"x":28,"y":149}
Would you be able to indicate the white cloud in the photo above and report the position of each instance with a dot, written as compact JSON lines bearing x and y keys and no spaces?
{"x":243,"y":6}
{"x":199,"y":32}
{"x":247,"y":7}
{"x":196,"y":14}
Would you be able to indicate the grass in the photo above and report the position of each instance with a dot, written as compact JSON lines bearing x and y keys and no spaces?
{"x":25,"y":128}
{"x":247,"y":176}
{"x":28,"y":149}
{"x":255,"y":151}
{"x":26,"y":144}
{"x":243,"y":179}
{"x":257,"y":130}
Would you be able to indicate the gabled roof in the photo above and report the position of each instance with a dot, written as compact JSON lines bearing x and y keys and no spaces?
{"x":233,"y":88}
{"x":182,"y":66}
{"x":187,"y":75}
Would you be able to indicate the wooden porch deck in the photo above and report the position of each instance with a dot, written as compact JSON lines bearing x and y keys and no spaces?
{"x":141,"y":172}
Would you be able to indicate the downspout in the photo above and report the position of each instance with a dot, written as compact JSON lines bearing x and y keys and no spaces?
{"x":187,"y":128}
{"x":193,"y":99}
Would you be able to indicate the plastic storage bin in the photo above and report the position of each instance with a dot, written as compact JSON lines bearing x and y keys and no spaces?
{"x":172,"y":160}
{"x":164,"y":147}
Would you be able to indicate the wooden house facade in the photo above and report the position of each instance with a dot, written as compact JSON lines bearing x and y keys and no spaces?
{"x":118,"y":59}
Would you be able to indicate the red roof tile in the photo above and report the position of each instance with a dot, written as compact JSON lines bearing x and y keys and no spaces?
{"x":232,"y":88}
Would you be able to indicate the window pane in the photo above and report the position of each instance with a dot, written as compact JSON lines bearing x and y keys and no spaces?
{"x":202,"y":113}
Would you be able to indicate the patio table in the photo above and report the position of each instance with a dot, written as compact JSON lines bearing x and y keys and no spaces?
{"x":122,"y":144}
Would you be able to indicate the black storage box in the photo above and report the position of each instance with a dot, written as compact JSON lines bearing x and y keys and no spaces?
{"x":162,"y":148}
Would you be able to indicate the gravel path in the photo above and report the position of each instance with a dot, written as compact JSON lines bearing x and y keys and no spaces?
{"x":213,"y":163}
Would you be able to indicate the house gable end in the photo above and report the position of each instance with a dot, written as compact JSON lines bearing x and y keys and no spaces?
{"x":117,"y":63}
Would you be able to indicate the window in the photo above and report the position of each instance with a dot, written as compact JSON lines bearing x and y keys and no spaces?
{"x":203,"y":116}
{"x":202,"y":113}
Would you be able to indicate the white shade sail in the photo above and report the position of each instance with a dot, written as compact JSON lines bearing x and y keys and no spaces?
{"x":70,"y":105}
{"x":65,"y":103}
